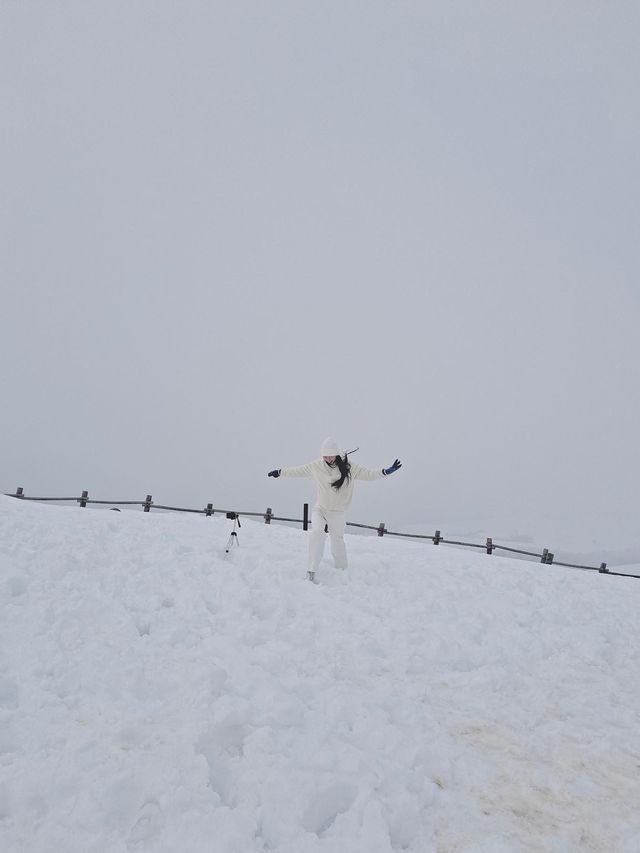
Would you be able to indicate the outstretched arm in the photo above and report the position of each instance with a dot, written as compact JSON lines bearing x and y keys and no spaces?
{"x":301,"y":471}
{"x":358,"y":472}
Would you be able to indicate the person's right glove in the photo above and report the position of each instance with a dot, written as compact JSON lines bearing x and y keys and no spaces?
{"x":275,"y":473}
{"x":397,"y":464}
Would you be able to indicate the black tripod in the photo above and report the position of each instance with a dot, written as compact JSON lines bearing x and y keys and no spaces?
{"x":234,"y":536}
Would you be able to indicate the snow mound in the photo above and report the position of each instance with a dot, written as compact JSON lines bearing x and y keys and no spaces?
{"x":158,"y":694}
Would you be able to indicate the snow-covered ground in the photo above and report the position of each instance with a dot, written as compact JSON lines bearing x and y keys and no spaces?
{"x":159,"y":695}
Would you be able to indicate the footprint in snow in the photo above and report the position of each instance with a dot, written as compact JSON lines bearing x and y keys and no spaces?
{"x":148,"y":825}
{"x":143,"y":626}
{"x":327,"y":804}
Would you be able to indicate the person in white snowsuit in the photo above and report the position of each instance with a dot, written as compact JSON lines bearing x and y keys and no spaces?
{"x":334,"y":477}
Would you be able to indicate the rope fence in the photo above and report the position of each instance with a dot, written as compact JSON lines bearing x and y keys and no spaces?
{"x":547,"y":557}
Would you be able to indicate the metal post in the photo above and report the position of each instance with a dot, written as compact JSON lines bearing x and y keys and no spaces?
{"x":83,"y":499}
{"x":544,"y":555}
{"x":148,"y":503}
{"x":267,"y":515}
{"x":19,"y":492}
{"x":437,"y":538}
{"x":381,"y":529}
{"x":208,"y":510}
{"x":489,"y":545}
{"x":603,"y":570}
{"x":305,"y":517}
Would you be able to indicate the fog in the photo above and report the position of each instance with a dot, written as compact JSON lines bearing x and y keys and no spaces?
{"x":231,"y":230}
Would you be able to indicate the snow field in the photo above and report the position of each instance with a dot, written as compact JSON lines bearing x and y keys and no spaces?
{"x":159,"y":695}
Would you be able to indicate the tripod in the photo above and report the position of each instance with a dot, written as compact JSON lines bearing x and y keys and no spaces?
{"x":233,"y":536}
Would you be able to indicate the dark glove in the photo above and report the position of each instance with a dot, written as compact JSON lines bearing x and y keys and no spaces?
{"x":275,"y":473}
{"x":397,"y":464}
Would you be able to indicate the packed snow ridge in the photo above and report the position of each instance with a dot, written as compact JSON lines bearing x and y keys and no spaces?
{"x":158,"y":694}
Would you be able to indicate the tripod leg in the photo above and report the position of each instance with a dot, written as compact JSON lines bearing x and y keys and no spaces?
{"x":232,"y":538}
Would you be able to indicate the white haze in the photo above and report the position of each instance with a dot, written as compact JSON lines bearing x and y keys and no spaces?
{"x":229,"y":230}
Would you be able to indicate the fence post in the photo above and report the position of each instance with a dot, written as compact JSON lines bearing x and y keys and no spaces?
{"x":83,"y":499}
{"x":19,"y":492}
{"x":544,"y":555}
{"x":603,"y":570}
{"x":267,"y":515}
{"x":437,"y":538}
{"x":489,"y":545}
{"x":381,"y":529}
{"x":208,"y":510}
{"x":305,"y":517}
{"x":148,"y":503}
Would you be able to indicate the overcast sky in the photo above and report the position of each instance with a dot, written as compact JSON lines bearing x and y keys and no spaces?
{"x":232,"y":229}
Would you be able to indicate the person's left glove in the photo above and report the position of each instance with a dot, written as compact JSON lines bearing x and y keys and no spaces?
{"x":275,"y":473}
{"x":397,"y":464}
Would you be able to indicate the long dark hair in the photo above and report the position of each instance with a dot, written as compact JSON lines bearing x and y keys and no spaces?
{"x":344,"y":466}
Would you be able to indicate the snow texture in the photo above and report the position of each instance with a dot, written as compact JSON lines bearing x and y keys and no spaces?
{"x":157,"y":694}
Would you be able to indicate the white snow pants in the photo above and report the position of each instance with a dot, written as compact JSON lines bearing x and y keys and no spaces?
{"x":336,"y":522}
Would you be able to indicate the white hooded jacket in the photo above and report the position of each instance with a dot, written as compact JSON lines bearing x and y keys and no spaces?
{"x":324,"y":475}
